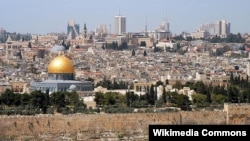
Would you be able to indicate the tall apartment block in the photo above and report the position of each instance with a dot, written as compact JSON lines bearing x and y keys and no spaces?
{"x":220,"y":28}
{"x":120,"y":25}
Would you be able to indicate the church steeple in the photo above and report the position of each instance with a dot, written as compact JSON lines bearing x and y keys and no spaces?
{"x":9,"y":39}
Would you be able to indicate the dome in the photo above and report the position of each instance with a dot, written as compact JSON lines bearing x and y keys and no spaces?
{"x":72,"y":87}
{"x":61,"y":64}
{"x":57,"y":48}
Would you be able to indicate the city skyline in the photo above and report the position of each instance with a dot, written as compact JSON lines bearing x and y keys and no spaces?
{"x":41,"y":17}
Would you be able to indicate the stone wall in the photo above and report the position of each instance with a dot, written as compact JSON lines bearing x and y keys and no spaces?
{"x":237,"y":113}
{"x":48,"y":126}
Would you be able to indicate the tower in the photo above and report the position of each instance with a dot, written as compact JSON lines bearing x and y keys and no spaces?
{"x":85,"y":31}
{"x":120,"y":25}
{"x":73,"y":29}
{"x":12,"y":50}
{"x":225,"y":28}
{"x":9,"y":48}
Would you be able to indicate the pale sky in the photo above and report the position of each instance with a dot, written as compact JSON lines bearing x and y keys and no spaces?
{"x":44,"y":16}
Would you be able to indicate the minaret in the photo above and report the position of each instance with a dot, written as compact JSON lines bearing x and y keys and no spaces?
{"x":85,"y":32}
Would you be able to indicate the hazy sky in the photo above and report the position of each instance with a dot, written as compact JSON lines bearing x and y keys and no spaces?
{"x":44,"y":16}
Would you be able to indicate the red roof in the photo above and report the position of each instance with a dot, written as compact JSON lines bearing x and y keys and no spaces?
{"x":247,"y":49}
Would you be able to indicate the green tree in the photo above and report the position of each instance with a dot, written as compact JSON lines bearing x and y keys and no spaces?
{"x":99,"y":99}
{"x":158,"y":83}
{"x":172,"y":97}
{"x":167,"y":82}
{"x":200,"y":87}
{"x":58,"y":100}
{"x":123,"y":46}
{"x":159,"y":103}
{"x":218,"y":99}
{"x":131,"y":98}
{"x":25,"y":99}
{"x":110,"y":98}
{"x":233,"y":94}
{"x":208,"y":94}
{"x":217,"y":89}
{"x":73,"y":98}
{"x":8,"y":97}
{"x":40,"y":100}
{"x":190,"y":84}
{"x":17,"y":99}
{"x":183,"y":102}
{"x":245,"y":95}
{"x":200,"y":100}
{"x":29,"y":45}
{"x":133,"y":52}
{"x":144,"y":53}
{"x":164,"y":95}
{"x":151,"y":96}
{"x":178,"y":85}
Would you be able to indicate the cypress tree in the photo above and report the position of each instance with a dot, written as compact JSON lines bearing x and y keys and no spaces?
{"x":133,"y":52}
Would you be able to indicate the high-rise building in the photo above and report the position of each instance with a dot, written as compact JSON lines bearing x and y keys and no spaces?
{"x":164,"y":26}
{"x":102,"y":30}
{"x":225,"y":28}
{"x":2,"y":31}
{"x":219,"y":28}
{"x":120,"y":25}
{"x":73,"y":30}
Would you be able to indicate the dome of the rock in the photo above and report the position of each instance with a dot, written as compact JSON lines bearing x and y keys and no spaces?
{"x":60,"y":64}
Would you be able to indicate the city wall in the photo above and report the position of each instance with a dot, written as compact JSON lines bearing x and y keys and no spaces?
{"x":83,"y":124}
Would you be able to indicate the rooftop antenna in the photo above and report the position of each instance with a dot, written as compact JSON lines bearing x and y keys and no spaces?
{"x":146,"y":27}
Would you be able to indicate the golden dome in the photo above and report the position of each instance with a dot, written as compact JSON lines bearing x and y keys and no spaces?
{"x":61,"y":64}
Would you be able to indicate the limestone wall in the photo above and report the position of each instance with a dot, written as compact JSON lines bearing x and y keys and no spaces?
{"x":81,"y":124}
{"x":237,"y":113}
{"x":124,"y":123}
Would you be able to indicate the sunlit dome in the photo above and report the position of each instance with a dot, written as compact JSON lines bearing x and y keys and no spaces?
{"x":61,"y":64}
{"x":57,"y":48}
{"x":72,"y":87}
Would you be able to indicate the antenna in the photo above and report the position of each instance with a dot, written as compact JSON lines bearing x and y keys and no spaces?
{"x":146,"y":27}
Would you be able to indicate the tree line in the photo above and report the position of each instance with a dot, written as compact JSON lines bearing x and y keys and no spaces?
{"x":111,"y":85}
{"x":115,"y":46}
{"x":38,"y":102}
{"x":231,"y":38}
{"x":237,"y":90}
